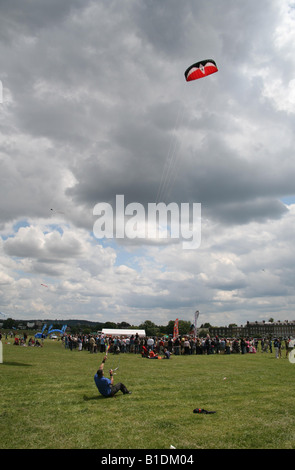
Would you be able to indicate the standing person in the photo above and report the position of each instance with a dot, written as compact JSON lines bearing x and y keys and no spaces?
{"x":102,"y":344}
{"x":92,"y":344}
{"x":186,"y":346}
{"x":217,"y":345}
{"x":207,"y":344}
{"x":256,"y":342}
{"x":132,"y":343}
{"x":176,"y":346}
{"x":243,"y":346}
{"x":106,"y":386}
{"x":161,"y":345}
{"x":280,"y":348}
{"x":288,"y":346}
{"x":198,"y":346}
{"x":227,"y":346}
{"x":193,"y":345}
{"x":136,"y":344}
{"x":150,"y":343}
{"x":276,"y":346}
{"x":266,"y":343}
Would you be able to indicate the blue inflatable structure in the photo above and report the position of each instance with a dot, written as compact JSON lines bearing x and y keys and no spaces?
{"x":42,"y":334}
{"x":62,"y":331}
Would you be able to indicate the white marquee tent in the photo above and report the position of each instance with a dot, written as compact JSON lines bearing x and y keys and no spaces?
{"x":121,"y":332}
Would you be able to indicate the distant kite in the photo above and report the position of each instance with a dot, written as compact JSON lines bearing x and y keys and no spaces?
{"x":200,"y":69}
{"x":2,"y":314}
{"x":44,"y":285}
{"x":57,"y":211}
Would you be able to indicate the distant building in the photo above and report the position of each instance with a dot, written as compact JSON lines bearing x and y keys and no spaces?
{"x":232,"y":331}
{"x":256,"y":329}
{"x":279,"y":328}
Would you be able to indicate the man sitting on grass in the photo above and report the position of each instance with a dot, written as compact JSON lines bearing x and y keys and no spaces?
{"x":106,"y":386}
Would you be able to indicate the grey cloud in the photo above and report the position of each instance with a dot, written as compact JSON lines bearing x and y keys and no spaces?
{"x":248,"y":211}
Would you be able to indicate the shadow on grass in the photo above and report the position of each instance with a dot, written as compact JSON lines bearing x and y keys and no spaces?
{"x":96,"y":397}
{"x":21,"y":364}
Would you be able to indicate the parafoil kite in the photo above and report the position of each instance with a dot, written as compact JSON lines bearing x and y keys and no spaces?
{"x":200,"y":69}
{"x":57,"y":211}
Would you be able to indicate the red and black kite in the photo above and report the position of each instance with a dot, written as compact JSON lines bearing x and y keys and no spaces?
{"x":200,"y":69}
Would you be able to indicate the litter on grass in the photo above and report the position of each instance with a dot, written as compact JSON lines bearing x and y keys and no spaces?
{"x":201,"y":410}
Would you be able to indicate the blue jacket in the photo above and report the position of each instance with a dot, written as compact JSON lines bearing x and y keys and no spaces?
{"x":103,"y":384}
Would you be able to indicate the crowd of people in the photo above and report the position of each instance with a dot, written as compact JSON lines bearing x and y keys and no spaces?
{"x":164,"y":345}
{"x":22,"y":340}
{"x":181,"y":345}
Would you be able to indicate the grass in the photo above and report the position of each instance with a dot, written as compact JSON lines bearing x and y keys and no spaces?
{"x":49,"y":401}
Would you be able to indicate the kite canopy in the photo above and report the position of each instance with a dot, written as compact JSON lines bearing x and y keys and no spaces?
{"x":200,"y":69}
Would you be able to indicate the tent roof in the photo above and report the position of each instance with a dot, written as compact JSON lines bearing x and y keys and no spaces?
{"x":121,"y":332}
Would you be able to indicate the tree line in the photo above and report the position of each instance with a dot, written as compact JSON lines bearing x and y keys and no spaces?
{"x":86,"y":327}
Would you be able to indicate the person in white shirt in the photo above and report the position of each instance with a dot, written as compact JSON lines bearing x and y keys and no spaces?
{"x":150,"y":343}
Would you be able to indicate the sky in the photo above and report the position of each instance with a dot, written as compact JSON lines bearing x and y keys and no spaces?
{"x":94,"y":105}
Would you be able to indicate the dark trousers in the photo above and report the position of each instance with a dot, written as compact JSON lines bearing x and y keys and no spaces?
{"x":117,"y":387}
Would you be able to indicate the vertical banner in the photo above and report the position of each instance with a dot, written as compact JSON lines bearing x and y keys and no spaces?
{"x":175,"y":329}
{"x":197,"y":313}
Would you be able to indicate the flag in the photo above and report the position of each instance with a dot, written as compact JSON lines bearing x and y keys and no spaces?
{"x":175,"y":329}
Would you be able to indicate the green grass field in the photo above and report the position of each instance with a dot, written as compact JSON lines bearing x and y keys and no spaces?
{"x":49,"y":401}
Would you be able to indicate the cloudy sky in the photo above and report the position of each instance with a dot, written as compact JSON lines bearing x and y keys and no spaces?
{"x":95,"y":105}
